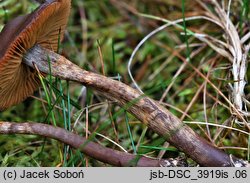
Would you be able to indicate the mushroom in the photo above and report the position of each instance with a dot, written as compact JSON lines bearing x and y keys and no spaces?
{"x":45,"y":26}
{"x":35,"y":39}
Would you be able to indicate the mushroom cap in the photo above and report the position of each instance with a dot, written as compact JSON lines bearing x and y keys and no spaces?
{"x":45,"y":26}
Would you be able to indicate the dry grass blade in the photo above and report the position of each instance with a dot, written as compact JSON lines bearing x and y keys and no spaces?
{"x":239,"y":58}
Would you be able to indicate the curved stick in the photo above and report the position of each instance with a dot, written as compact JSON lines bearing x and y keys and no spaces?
{"x":142,"y":107}
{"x":94,"y":150}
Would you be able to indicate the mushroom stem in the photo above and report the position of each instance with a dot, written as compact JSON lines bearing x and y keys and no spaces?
{"x":142,"y":107}
{"x":92,"y":149}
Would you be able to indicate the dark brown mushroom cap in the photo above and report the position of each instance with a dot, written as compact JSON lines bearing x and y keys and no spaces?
{"x":44,"y":26}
